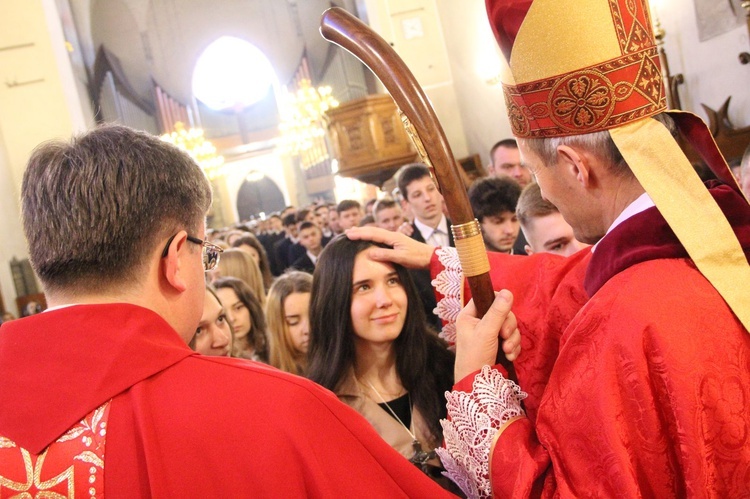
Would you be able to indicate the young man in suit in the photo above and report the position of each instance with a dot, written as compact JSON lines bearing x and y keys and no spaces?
{"x":422,"y":198}
{"x":280,"y":255}
{"x":505,"y":161}
{"x":387,"y":214}
{"x":349,"y":214}
{"x":310,"y":237}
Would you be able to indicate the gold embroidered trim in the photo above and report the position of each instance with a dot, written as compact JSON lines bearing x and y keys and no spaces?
{"x":595,"y":98}
{"x":668,"y":177}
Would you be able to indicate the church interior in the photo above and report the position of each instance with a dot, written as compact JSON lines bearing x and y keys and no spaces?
{"x":277,"y":115}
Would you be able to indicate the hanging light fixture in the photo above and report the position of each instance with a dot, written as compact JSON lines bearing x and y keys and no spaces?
{"x":303,"y":117}
{"x":201,"y":150}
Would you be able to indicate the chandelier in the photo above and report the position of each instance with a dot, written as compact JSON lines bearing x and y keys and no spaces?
{"x":200,"y":149}
{"x":303,"y":117}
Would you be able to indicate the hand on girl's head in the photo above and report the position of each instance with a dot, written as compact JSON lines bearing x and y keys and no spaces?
{"x":404,"y":250}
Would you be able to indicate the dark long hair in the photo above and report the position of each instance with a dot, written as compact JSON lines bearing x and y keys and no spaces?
{"x":423,"y":363}
{"x":257,"y":338}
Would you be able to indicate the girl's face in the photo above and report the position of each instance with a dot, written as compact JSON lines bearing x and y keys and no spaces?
{"x":213,"y":335}
{"x":252,"y":252}
{"x":379,"y":302}
{"x":237,"y":313}
{"x":296,"y":307}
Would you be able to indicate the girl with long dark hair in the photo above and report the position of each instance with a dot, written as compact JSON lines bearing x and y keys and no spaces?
{"x":245,"y":313}
{"x":376,"y":352}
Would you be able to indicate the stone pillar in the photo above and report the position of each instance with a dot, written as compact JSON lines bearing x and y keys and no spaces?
{"x":39,"y":101}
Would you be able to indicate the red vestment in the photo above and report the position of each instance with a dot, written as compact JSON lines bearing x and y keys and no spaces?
{"x":181,"y":424}
{"x":548,"y":292}
{"x":647,"y":393}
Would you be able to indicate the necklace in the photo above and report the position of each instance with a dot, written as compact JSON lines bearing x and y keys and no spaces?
{"x":420,"y":457}
{"x":400,"y":393}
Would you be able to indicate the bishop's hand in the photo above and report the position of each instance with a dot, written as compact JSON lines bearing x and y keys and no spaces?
{"x":404,"y":250}
{"x":477,"y":339}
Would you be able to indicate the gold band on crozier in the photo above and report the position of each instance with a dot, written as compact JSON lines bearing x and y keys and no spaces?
{"x":470,"y":247}
{"x":469,"y":229}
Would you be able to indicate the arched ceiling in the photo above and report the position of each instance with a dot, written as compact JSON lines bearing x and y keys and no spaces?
{"x":163,"y":38}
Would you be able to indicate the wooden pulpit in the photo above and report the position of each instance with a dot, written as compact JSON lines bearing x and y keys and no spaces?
{"x":369,"y":140}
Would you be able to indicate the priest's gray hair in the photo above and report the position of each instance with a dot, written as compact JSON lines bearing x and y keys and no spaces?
{"x":95,"y":208}
{"x":599,"y":144}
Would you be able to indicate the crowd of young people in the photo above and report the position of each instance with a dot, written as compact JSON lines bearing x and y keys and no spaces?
{"x":343,"y":320}
{"x":635,"y":374}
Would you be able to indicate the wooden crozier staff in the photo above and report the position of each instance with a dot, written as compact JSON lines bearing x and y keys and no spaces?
{"x":344,"y":29}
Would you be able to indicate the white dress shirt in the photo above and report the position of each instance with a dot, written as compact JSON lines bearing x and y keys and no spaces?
{"x":642,"y":203}
{"x":312,"y":258}
{"x":434,"y":236}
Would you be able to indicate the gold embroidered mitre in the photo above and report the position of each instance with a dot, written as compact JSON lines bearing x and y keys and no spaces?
{"x":581,"y":66}
{"x":577,"y":66}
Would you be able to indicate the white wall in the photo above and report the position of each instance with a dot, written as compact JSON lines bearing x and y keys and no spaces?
{"x":12,"y":243}
{"x":474,"y":59}
{"x":427,"y":56}
{"x":712,"y":70}
{"x":47,"y":107}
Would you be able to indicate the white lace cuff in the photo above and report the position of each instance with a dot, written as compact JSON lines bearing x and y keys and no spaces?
{"x":449,"y":282}
{"x":474,"y":419}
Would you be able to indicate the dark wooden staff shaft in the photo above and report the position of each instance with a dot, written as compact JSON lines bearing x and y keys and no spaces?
{"x":345,"y":30}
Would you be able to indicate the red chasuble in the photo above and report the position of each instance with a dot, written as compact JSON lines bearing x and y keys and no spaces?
{"x":174,"y":423}
{"x":548,"y":292}
{"x":647,"y":393}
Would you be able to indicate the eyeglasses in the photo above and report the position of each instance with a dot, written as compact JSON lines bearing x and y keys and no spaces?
{"x":211,"y":252}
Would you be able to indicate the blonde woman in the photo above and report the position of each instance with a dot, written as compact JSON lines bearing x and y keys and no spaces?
{"x":239,"y":264}
{"x":288,"y":322}
{"x":254,"y":248}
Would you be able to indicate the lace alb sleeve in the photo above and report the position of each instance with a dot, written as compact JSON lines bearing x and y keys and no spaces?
{"x":449,"y":283}
{"x":473,"y":420}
